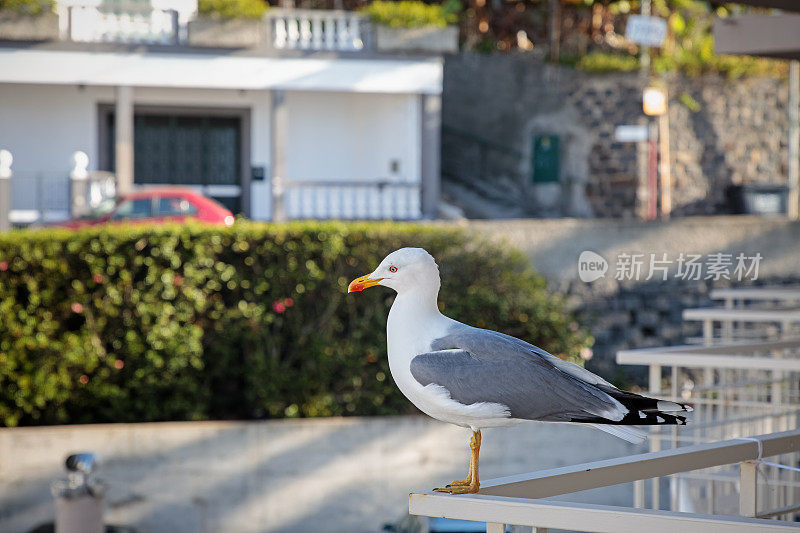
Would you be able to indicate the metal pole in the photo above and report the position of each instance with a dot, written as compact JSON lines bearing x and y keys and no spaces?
{"x":794,"y":138}
{"x":665,"y":169}
{"x":644,"y":60}
{"x":646,"y":160}
{"x":654,"y":387}
{"x":555,"y":31}
{"x":748,"y":488}
{"x":652,"y":172}
{"x":123,"y":131}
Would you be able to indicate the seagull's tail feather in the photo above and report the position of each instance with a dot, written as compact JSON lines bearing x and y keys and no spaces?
{"x":648,"y":411}
{"x":631,"y":434}
{"x":640,"y":411}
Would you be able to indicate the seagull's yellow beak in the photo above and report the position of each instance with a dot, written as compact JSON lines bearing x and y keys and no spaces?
{"x":359,"y":284}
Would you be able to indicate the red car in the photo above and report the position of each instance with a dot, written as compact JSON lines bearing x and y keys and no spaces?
{"x":167,"y":204}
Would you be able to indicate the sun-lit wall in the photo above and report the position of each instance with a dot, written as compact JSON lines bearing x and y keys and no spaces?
{"x":332,"y":136}
{"x":348,"y":136}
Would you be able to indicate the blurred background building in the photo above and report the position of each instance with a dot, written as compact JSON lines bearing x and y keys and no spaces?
{"x":303,"y":108}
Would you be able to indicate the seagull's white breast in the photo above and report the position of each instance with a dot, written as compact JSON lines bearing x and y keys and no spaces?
{"x":411,"y":330}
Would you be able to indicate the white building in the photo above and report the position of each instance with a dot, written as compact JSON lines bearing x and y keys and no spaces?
{"x":307,"y":123}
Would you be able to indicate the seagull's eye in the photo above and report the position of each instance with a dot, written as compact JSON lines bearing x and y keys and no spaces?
{"x":392,"y":269}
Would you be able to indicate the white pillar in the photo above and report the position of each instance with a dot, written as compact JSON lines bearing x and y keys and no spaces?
{"x":6,"y":159}
{"x":279,"y":134}
{"x":430,"y":148}
{"x":123,"y":134}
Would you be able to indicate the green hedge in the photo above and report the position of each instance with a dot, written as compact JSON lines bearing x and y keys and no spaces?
{"x":27,"y":7}
{"x":251,"y":321}
{"x":232,"y":9}
{"x":409,"y":14}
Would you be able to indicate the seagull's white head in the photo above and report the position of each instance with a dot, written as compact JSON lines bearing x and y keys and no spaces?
{"x":403,"y":270}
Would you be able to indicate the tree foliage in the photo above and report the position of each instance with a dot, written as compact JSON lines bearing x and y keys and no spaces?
{"x":27,"y":7}
{"x":232,"y":9}
{"x":409,"y":14}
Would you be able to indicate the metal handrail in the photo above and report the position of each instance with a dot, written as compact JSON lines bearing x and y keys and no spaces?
{"x":788,"y":293}
{"x":507,"y":500}
{"x":563,"y":480}
{"x":742,"y":315}
{"x":497,"y":512}
{"x":728,"y":348}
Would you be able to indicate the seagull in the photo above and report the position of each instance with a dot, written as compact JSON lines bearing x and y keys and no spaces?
{"x":478,"y":378}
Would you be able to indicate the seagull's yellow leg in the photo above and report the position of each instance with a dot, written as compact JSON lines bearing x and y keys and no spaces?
{"x":472,"y":483}
{"x":468,"y":481}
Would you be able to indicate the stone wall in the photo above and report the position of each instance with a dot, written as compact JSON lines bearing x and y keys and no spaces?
{"x":639,"y":314}
{"x":494,"y":105}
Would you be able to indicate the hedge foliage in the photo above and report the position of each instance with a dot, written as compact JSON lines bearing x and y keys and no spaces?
{"x":409,"y":14}
{"x":27,"y":7}
{"x":252,"y":321}
{"x":232,"y":9}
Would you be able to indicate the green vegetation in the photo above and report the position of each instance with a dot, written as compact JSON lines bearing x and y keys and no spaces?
{"x":690,"y":43}
{"x":689,"y":47}
{"x":689,"y":102}
{"x":27,"y":7}
{"x":608,"y":62}
{"x":232,"y":9}
{"x":411,"y":13}
{"x":252,"y":321}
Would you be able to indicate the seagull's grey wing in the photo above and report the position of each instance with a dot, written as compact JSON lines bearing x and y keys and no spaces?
{"x":530,"y":388}
{"x":483,"y":343}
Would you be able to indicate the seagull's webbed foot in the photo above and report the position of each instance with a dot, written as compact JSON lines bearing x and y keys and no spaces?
{"x":472,"y":484}
{"x":472,"y":488}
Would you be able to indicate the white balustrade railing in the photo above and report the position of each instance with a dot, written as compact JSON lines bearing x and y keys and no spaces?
{"x":90,"y":24}
{"x":290,"y":29}
{"x":349,"y":200}
{"x":312,"y":29}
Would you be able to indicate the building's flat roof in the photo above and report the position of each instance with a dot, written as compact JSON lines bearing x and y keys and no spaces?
{"x":217,"y":69}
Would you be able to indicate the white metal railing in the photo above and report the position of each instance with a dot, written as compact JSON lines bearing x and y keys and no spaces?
{"x":726,"y":324}
{"x":91,"y":24}
{"x":738,"y":390}
{"x":315,"y":29}
{"x":734,"y":297}
{"x":38,"y":197}
{"x":360,"y":200}
{"x":508,"y":500}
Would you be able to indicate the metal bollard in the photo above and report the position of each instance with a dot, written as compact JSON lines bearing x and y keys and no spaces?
{"x":79,"y":499}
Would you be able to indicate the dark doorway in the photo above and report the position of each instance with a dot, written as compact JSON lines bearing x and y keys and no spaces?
{"x":192,"y":149}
